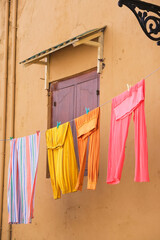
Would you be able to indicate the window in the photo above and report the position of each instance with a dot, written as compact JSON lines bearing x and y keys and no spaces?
{"x":69,"y":99}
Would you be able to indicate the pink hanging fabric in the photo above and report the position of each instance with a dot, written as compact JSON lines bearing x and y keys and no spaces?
{"x":122,"y":108}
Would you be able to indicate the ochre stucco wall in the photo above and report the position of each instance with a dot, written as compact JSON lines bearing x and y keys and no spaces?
{"x":125,"y":211}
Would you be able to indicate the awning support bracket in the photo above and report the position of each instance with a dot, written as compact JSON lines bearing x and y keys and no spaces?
{"x":99,"y":44}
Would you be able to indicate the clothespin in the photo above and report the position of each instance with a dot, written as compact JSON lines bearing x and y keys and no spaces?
{"x":128,"y":87}
{"x":11,"y":138}
{"x":38,"y":131}
{"x":87,"y":110}
{"x":58,"y":124}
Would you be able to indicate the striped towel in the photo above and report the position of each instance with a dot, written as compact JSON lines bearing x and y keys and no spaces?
{"x":22,"y":174}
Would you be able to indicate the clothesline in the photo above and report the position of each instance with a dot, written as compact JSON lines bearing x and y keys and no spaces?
{"x":108,"y":101}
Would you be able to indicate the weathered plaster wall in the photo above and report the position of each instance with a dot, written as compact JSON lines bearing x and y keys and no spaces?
{"x":125,"y":211}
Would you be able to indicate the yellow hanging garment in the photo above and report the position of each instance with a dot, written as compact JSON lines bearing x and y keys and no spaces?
{"x":61,"y":159}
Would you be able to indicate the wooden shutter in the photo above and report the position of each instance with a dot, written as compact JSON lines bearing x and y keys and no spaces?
{"x":70,"y":97}
{"x":62,"y":105}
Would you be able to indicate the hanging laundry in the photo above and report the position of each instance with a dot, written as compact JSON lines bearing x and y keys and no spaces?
{"x":122,"y":108}
{"x":22,"y":174}
{"x":61,"y":159}
{"x":88,"y":127}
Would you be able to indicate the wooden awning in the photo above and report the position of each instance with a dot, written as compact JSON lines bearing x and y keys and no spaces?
{"x":92,"y":37}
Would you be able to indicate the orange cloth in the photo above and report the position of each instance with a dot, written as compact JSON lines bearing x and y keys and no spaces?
{"x":88,"y":126}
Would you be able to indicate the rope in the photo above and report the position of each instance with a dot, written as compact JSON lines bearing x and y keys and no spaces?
{"x":108,"y":101}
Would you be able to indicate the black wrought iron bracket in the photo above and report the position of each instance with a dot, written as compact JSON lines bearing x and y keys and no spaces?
{"x":148,"y":16}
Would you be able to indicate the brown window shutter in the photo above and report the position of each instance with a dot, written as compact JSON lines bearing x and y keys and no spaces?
{"x":69,"y":99}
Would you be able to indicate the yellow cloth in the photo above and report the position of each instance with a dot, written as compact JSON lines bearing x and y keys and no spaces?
{"x":61,"y":159}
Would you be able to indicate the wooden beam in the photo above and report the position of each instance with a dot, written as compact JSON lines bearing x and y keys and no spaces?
{"x":92,"y":43}
{"x":40,"y":62}
{"x":100,"y":54}
{"x":84,"y":40}
{"x":47,"y":73}
{"x":43,"y":63}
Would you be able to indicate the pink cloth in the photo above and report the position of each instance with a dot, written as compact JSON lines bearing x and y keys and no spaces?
{"x":122,"y":108}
